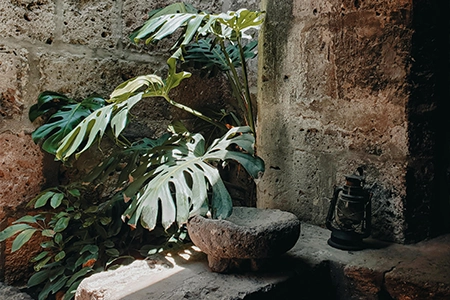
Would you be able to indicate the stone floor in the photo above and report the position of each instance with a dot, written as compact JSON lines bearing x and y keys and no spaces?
{"x":311,"y":270}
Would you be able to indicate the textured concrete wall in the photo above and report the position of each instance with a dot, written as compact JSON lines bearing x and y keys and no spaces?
{"x":77,"y":48}
{"x":334,"y":95}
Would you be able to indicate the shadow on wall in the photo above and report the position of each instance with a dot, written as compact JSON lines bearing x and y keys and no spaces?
{"x":428,"y":181}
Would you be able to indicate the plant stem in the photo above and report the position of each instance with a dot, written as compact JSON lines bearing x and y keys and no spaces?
{"x":248,"y":98}
{"x":242,"y":93}
{"x":194,"y":112}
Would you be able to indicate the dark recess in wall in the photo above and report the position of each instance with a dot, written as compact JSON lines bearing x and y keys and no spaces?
{"x":427,"y":203}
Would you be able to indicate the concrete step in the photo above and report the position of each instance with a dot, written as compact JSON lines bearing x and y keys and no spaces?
{"x":311,"y":270}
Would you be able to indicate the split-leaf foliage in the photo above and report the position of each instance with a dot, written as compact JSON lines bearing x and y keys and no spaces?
{"x":157,"y":183}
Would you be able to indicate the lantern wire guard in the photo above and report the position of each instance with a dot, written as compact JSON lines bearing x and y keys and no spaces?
{"x":349,"y":215}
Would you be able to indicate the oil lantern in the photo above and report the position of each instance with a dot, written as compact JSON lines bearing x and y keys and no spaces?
{"x":349,"y":215}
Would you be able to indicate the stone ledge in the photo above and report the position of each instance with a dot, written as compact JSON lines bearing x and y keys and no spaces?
{"x":312,"y":269}
{"x":12,"y":293}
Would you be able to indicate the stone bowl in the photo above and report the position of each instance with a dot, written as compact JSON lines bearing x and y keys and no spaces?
{"x":249,"y":235}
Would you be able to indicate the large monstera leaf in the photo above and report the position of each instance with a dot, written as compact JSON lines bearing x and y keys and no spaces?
{"x":115,"y":114}
{"x":69,"y":113}
{"x":225,"y":26}
{"x":175,"y":177}
{"x":94,"y":126}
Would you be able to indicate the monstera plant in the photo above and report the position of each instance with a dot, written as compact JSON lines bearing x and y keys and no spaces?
{"x":156,"y":184}
{"x":212,"y":41}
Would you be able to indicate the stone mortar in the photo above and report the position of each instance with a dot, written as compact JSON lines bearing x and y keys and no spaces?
{"x":248,"y":235}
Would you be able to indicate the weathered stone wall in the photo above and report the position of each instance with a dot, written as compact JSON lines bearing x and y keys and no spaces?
{"x":335,"y":94}
{"x":77,"y":48}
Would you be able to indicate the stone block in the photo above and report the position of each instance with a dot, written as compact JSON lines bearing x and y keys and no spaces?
{"x":238,"y":4}
{"x":423,"y":275}
{"x":21,"y":178}
{"x":80,"y":76}
{"x":91,"y":23}
{"x":28,"y":20}
{"x":336,"y":91}
{"x":366,"y":281}
{"x":14,"y":102}
{"x":20,"y":170}
{"x":187,"y":270}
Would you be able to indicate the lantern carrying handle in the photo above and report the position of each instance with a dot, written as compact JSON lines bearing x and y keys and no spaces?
{"x":332,"y":205}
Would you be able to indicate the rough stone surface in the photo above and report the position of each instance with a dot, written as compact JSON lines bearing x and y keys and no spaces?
{"x":21,"y":178}
{"x":249,"y":233}
{"x":335,"y":93}
{"x":183,"y":275}
{"x":312,"y":270}
{"x":91,"y":23}
{"x":84,"y":76}
{"x":78,"y":48}
{"x":20,"y":170}
{"x":13,"y":95}
{"x":12,"y":293}
{"x":28,"y":20}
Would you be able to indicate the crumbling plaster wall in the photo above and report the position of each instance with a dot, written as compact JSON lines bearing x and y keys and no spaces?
{"x":77,"y":48}
{"x":335,"y":93}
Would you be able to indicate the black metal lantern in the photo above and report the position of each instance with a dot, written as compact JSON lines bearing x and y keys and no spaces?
{"x":349,"y":215}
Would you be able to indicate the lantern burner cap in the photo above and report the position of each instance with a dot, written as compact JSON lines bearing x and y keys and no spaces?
{"x":355,"y":179}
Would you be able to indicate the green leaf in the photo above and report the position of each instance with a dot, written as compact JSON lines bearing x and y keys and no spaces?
{"x":42,"y":263}
{"x":91,"y":209}
{"x":48,"y":232}
{"x":108,"y":244}
{"x":22,"y":238}
{"x":230,"y":25}
{"x":59,"y":284}
{"x":207,"y":55}
{"x":42,"y":198}
{"x":126,"y":89}
{"x":77,"y":275}
{"x":60,"y":255}
{"x":38,"y":278}
{"x":89,"y":248}
{"x":56,"y":272}
{"x":67,"y":116}
{"x":39,"y":256}
{"x":181,"y":168}
{"x":87,"y":131}
{"x":47,"y":244}
{"x":105,"y":220}
{"x":88,"y":222}
{"x":239,"y":22}
{"x":241,"y":137}
{"x":48,"y":101}
{"x":27,"y":219}
{"x":58,"y":239}
{"x":94,"y":126}
{"x":43,"y":295}
{"x":12,"y":230}
{"x":70,"y":293}
{"x":75,"y":192}
{"x":61,"y":224}
{"x":56,"y":200}
{"x":112,"y":252}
